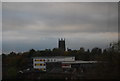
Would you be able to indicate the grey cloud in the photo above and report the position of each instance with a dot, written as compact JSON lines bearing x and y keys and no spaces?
{"x":43,"y":23}
{"x":53,"y":15}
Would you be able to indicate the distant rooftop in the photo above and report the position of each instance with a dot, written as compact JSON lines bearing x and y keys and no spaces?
{"x":53,"y":57}
{"x":81,"y":62}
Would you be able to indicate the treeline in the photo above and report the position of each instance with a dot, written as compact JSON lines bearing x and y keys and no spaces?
{"x":14,"y":62}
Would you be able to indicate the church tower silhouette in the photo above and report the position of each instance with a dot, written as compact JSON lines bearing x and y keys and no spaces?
{"x":61,"y":44}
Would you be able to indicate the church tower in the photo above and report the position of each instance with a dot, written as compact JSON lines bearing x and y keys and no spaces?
{"x":61,"y":44}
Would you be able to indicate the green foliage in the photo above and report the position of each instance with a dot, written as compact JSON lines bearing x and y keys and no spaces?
{"x":13,"y":62}
{"x":11,"y":72}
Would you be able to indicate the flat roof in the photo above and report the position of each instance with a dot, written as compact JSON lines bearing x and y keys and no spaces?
{"x":73,"y":62}
{"x":54,"y":57}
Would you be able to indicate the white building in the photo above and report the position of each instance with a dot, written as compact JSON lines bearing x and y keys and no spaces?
{"x":40,"y":62}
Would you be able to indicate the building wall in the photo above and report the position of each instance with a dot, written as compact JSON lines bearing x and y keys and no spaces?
{"x":40,"y":62}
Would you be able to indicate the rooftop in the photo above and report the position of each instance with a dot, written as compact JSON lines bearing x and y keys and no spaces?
{"x":54,"y":57}
{"x":81,"y":62}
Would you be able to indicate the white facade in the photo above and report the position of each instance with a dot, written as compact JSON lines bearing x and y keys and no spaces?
{"x":40,"y":62}
{"x":54,"y":59}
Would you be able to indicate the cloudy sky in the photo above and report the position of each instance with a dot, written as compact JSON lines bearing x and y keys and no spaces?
{"x":39,"y":25}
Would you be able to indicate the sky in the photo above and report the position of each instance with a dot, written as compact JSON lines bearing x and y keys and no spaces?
{"x":0,"y":28}
{"x":39,"y":25}
{"x":60,"y":0}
